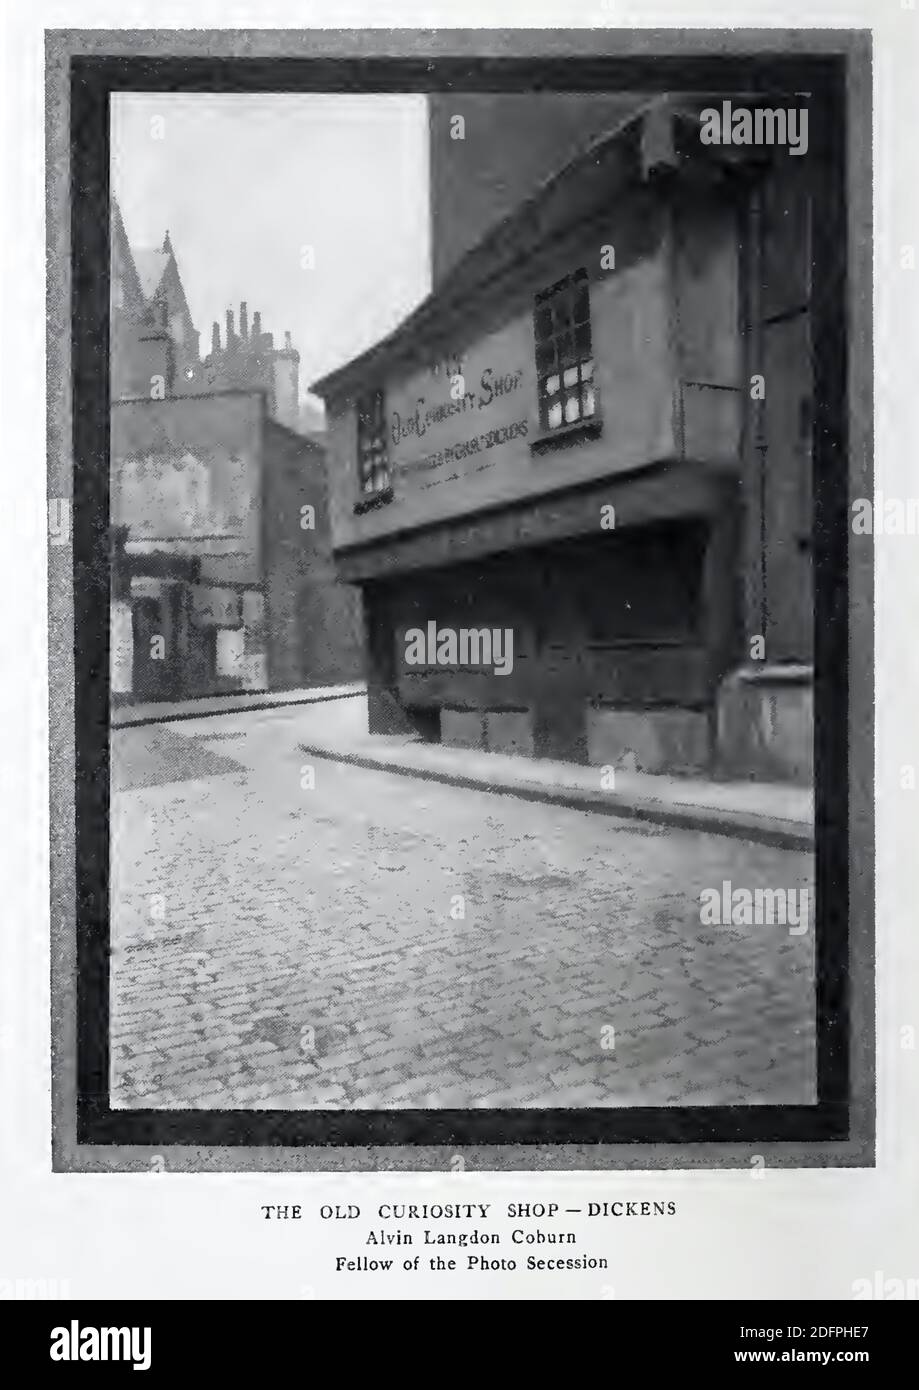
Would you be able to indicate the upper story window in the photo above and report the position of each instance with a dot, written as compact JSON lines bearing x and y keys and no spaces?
{"x":564,"y":355}
{"x":372,"y":459}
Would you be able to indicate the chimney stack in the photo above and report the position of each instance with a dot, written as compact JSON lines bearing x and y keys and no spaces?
{"x":229,"y":329}
{"x":257,"y":326}
{"x":243,"y":321}
{"x":287,"y":343}
{"x":215,"y":337}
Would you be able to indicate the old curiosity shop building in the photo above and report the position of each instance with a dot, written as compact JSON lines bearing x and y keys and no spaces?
{"x":595,"y":434}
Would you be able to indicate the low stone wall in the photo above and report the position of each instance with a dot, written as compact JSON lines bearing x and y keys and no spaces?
{"x":649,"y":740}
{"x":491,"y":730}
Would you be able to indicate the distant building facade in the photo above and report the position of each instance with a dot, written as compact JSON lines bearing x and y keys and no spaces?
{"x":566,"y":443}
{"x":222,"y":574}
{"x":222,"y":571}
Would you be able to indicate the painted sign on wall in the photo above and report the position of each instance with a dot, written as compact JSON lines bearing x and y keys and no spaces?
{"x":180,"y":494}
{"x":450,"y":420}
{"x":449,"y":457}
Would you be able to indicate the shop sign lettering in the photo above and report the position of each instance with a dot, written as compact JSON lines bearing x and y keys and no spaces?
{"x":492,"y":385}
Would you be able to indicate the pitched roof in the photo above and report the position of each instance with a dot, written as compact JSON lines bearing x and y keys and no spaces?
{"x":151,"y":267}
{"x":146,"y":266}
{"x":619,"y":159}
{"x":122,"y":258}
{"x":589,"y":177}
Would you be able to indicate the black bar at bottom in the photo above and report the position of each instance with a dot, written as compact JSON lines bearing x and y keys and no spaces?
{"x":165,"y":1338}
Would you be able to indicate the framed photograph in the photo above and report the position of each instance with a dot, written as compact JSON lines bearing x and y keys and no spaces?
{"x":467,"y":745}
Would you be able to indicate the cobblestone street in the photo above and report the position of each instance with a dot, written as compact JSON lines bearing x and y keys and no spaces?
{"x":378,"y":941}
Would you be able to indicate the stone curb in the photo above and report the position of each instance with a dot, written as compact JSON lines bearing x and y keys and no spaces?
{"x":735,"y":823}
{"x":176,"y":715}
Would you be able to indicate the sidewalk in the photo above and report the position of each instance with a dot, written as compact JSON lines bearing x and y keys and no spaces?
{"x":769,"y":813}
{"x":332,"y":724}
{"x":159,"y":711}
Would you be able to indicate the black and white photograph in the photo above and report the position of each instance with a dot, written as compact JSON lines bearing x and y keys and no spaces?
{"x":462,"y":608}
{"x":470,"y":599}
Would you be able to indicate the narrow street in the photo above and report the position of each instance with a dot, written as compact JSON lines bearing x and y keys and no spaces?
{"x":377,"y":941}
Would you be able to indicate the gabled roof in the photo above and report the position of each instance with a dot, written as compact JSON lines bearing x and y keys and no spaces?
{"x":606,"y":162}
{"x":122,"y":258}
{"x":151,"y":267}
{"x":145,"y":270}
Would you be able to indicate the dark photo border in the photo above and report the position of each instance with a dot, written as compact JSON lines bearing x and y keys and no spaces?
{"x":826,"y":75}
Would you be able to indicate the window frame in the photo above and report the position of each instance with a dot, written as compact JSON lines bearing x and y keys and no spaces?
{"x":563,"y":343}
{"x":372,"y":449}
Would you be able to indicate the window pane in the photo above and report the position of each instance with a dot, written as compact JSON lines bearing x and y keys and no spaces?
{"x":564,"y":355}
{"x":372,"y":463}
{"x":545,"y":356}
{"x":565,"y":348}
{"x":582,"y":305}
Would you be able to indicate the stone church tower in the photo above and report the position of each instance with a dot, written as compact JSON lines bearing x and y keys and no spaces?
{"x":152,"y":333}
{"x":155,"y":345}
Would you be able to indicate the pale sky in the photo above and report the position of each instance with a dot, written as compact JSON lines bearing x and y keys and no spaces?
{"x":245,"y":182}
